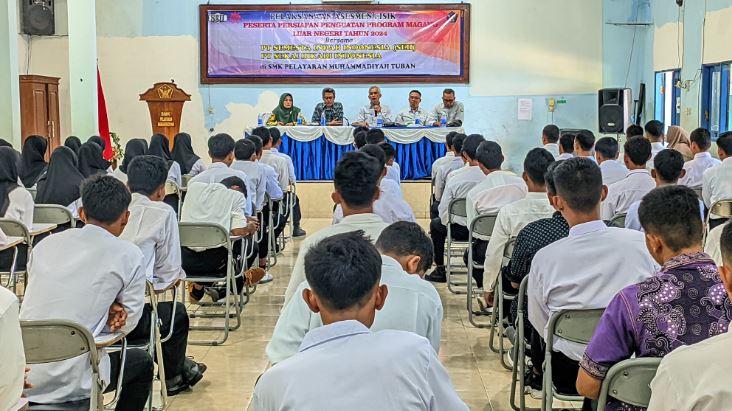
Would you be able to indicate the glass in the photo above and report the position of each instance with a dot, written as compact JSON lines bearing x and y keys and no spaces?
{"x":715,"y":100}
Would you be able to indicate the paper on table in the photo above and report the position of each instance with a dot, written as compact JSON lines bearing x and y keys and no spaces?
{"x":525,"y":109}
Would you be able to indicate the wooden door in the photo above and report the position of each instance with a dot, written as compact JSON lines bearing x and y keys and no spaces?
{"x":53,"y":125}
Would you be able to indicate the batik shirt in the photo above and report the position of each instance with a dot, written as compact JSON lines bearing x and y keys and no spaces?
{"x":682,"y":304}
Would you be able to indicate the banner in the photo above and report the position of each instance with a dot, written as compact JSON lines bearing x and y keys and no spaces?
{"x":338,"y":43}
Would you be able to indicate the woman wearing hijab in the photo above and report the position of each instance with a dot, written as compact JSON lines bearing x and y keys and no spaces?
{"x":33,"y":162}
{"x":160,"y":146}
{"x":183,"y":154}
{"x":73,"y":143}
{"x":678,"y":139}
{"x":15,"y":203}
{"x":98,"y":140}
{"x":61,"y":184}
{"x":135,"y":147}
{"x":90,"y":160}
{"x":285,"y":114}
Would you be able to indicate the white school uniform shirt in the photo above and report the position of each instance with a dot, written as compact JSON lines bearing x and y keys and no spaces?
{"x":494,"y":191}
{"x":119,"y":175}
{"x":446,"y":169}
{"x":197,"y":168}
{"x":255,"y":179}
{"x":371,"y":224}
{"x":454,"y":113}
{"x":412,"y":305}
{"x":695,"y":169}
{"x":632,"y":221}
{"x":20,"y":206}
{"x":512,"y":218}
{"x":153,"y":226}
{"x":389,"y":207}
{"x":625,"y":192}
{"x":717,"y":183}
{"x":365,"y":114}
{"x":389,"y":186}
{"x":564,"y":156}
{"x":3,"y":238}
{"x":553,"y":149}
{"x":713,"y":246}
{"x":584,"y":271}
{"x":218,"y":172}
{"x":76,"y":275}
{"x":613,"y":171}
{"x":460,"y":183}
{"x":213,"y":203}
{"x":655,"y":149}
{"x":407,"y":116}
{"x":272,"y":185}
{"x":290,"y":165}
{"x":12,"y":356}
{"x":397,"y":370}
{"x":694,"y":377}
{"x":280,"y":166}
{"x":392,"y":173}
{"x":174,"y":174}
{"x":440,"y":161}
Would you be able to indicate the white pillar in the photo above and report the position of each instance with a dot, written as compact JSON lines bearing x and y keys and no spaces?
{"x":83,"y":67}
{"x":9,"y":80}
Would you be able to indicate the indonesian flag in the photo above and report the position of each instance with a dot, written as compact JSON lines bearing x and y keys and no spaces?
{"x":103,"y":120}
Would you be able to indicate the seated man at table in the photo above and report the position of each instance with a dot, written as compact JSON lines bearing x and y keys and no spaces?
{"x":91,"y":277}
{"x":331,"y":109}
{"x":153,"y":227}
{"x":296,"y":214}
{"x":343,"y":365}
{"x":413,"y":114}
{"x":450,"y":110}
{"x":368,"y":113}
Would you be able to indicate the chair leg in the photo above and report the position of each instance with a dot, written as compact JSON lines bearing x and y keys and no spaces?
{"x":494,"y":323}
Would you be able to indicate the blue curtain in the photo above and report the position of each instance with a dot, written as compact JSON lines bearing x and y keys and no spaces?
{"x":316,"y":160}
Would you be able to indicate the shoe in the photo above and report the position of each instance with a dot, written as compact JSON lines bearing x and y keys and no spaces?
{"x":438,"y":275}
{"x":298,"y":232}
{"x":193,"y":371}
{"x":483,"y":308}
{"x":216,"y":293}
{"x":533,"y":384}
{"x":511,"y":334}
{"x":267,"y":278}
{"x":175,"y":385}
{"x":509,"y":357}
{"x":254,"y":275}
{"x":195,"y":294}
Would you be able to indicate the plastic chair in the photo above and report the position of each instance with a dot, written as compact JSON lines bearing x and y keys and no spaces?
{"x":172,"y":189}
{"x":498,"y":311}
{"x":482,"y":225}
{"x":519,"y":352}
{"x":629,"y":381}
{"x":698,"y":191}
{"x":618,"y":220}
{"x":15,"y":228}
{"x":722,"y":209}
{"x":454,"y":248}
{"x":57,"y":340}
{"x":576,"y":326}
{"x":33,"y":192}
{"x":53,"y":214}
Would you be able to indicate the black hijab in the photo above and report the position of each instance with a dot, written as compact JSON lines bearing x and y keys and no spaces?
{"x":160,"y":146}
{"x":73,"y":143}
{"x":98,"y":140}
{"x":183,"y":152}
{"x":4,"y":143}
{"x":135,"y":147}
{"x":90,"y":159}
{"x":8,"y":176}
{"x":33,"y":164}
{"x":61,"y":183}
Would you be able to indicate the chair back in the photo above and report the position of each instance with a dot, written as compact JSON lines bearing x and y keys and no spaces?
{"x":33,"y":192}
{"x":203,"y":235}
{"x":483,"y":224}
{"x":618,"y":220}
{"x":15,"y":228}
{"x":698,"y":191}
{"x":171,"y":188}
{"x":508,"y":249}
{"x":186,"y":178}
{"x":629,"y":381}
{"x":57,"y":340}
{"x":457,"y":208}
{"x":576,"y":326}
{"x":52,"y":214}
{"x":722,"y":208}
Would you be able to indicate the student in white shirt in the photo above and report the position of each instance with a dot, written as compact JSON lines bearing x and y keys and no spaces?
{"x":635,"y":185}
{"x":62,"y":181}
{"x":458,"y":185}
{"x":15,"y":203}
{"x":550,"y":139}
{"x":135,"y":147}
{"x":606,"y":154}
{"x":413,"y":304}
{"x":343,"y":365}
{"x":297,"y":230}
{"x":90,"y":276}
{"x":456,"y":162}
{"x":584,"y":270}
{"x":449,"y":154}
{"x":190,"y":163}
{"x":413,"y":114}
{"x":717,"y":181}
{"x":356,"y":180}
{"x":654,"y":134}
{"x":584,"y":144}
{"x":633,"y":130}
{"x":676,"y":387}
{"x":566,"y":146}
{"x":393,"y":171}
{"x":368,"y":113}
{"x":153,"y":227}
{"x":272,"y":186}
{"x":701,"y":141}
{"x":12,"y":356}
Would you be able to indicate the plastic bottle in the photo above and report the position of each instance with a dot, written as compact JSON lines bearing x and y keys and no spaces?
{"x":417,"y":121}
{"x":443,"y":120}
{"x":379,"y":120}
{"x":322,"y":119}
{"x":260,"y":120}
{"x":299,"y":121}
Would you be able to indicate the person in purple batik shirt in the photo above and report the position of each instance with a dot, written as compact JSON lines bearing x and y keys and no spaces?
{"x":682,"y":304}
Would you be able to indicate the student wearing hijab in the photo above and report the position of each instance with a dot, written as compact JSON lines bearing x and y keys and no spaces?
{"x":285,"y":114}
{"x":33,"y":162}
{"x":90,"y":159}
{"x":183,"y":154}
{"x":61,"y":183}
{"x":135,"y":147}
{"x":15,"y":203}
{"x":678,"y":139}
{"x":73,"y":143}
{"x":4,"y":143}
{"x":160,"y":147}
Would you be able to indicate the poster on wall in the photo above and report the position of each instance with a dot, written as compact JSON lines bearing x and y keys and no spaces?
{"x":334,"y":43}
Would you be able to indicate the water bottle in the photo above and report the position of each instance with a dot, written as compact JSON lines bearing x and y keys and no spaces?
{"x":417,"y":121}
{"x":299,"y":121}
{"x":260,"y":120}
{"x":322,"y":119}
{"x":379,"y":120}
{"x":443,"y":120}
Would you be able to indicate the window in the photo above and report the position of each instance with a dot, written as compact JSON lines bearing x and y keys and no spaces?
{"x":715,"y":114}
{"x":668,"y":97}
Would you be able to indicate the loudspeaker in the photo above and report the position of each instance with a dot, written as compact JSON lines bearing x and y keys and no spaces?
{"x":614,"y":109}
{"x":38,"y":17}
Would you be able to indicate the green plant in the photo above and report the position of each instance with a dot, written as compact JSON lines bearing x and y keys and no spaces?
{"x":117,"y":150}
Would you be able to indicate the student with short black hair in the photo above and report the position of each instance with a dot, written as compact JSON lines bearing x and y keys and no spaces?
{"x":343,"y":274}
{"x":455,"y":163}
{"x":70,"y":267}
{"x":635,"y":185}
{"x":550,"y":139}
{"x":654,"y":132}
{"x":584,"y":142}
{"x":450,"y":156}
{"x":413,"y":305}
{"x":717,"y":181}
{"x":359,"y":139}
{"x":632,"y":131}
{"x":606,"y":155}
{"x":375,"y":136}
{"x":393,"y":171}
{"x":566,"y":146}
{"x":701,"y":141}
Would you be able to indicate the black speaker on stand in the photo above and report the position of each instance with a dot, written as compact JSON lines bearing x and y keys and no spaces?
{"x":615,"y":107}
{"x":38,"y":19}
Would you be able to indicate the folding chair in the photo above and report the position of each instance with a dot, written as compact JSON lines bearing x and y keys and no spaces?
{"x":722,"y":209}
{"x":15,"y":228}
{"x":518,"y":370}
{"x":454,"y":248}
{"x":185,"y":179}
{"x":498,"y":311}
{"x":698,"y":191}
{"x":629,"y":381}
{"x":172,"y":189}
{"x":57,"y":340}
{"x":618,"y":220}
{"x":33,"y":192}
{"x":483,"y":226}
{"x":291,"y":209}
{"x":53,"y":214}
{"x":271,"y":238}
{"x":576,"y":326}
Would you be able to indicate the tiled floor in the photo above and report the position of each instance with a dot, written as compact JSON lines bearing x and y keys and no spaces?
{"x":234,"y":367}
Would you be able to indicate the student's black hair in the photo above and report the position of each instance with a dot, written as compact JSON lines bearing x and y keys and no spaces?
{"x":551,"y":188}
{"x":220,"y":145}
{"x":654,"y":128}
{"x":638,"y":148}
{"x":105,"y":198}
{"x":375,"y":151}
{"x":607,"y":147}
{"x":566,"y":140}
{"x":405,"y":238}
{"x":551,"y":132}
{"x":232,"y":181}
{"x":360,"y":128}
{"x":457,"y":142}
{"x":343,"y":270}
{"x":536,"y":163}
{"x":489,"y":154}
{"x":633,"y":130}
{"x":579,"y":182}
{"x":389,"y":150}
{"x":702,"y":138}
{"x":585,"y":139}
{"x":470,"y":145}
{"x":263,"y":133}
{"x":257,"y":142}
{"x":375,"y":136}
{"x":275,"y":134}
{"x":725,"y":244}
{"x":359,"y":139}
{"x":356,"y":178}
{"x":668,"y":165}
{"x":449,"y":138}
{"x":244,"y":149}
{"x":672,"y":212}
{"x":146,"y":174}
{"x":725,"y":142}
